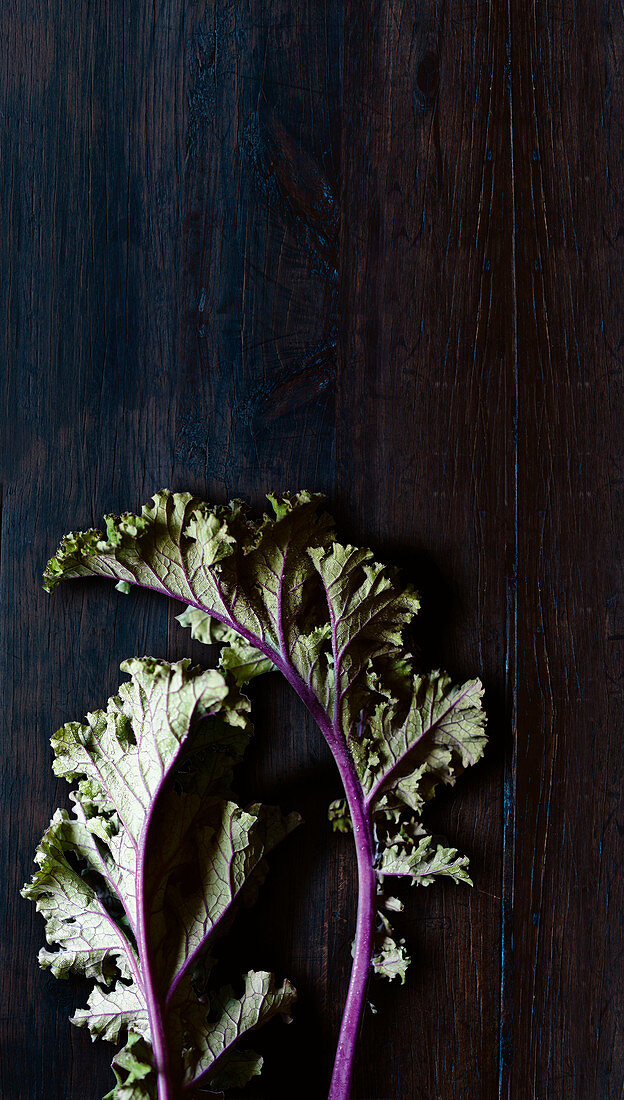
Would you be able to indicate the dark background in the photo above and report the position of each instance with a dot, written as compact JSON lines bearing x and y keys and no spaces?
{"x":373,"y":248}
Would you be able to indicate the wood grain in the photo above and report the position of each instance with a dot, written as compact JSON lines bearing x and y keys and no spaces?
{"x":374,"y":249}
{"x":426,"y":417}
{"x":568,"y":893}
{"x":90,"y":217}
{"x":256,"y":411}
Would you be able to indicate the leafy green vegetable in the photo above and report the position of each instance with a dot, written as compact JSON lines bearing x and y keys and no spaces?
{"x":138,"y":881}
{"x":281,"y":593}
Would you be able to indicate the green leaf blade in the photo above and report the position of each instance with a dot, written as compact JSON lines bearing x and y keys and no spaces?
{"x":137,"y":883}
{"x":401,"y":761}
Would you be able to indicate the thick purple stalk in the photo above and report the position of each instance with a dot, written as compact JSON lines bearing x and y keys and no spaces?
{"x":154,"y":1008}
{"x":340,"y":1088}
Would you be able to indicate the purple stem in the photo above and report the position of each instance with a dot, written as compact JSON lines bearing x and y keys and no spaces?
{"x":154,"y":1008}
{"x":340,"y":1088}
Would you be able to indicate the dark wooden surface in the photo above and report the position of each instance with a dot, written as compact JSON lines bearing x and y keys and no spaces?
{"x":373,"y":248}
